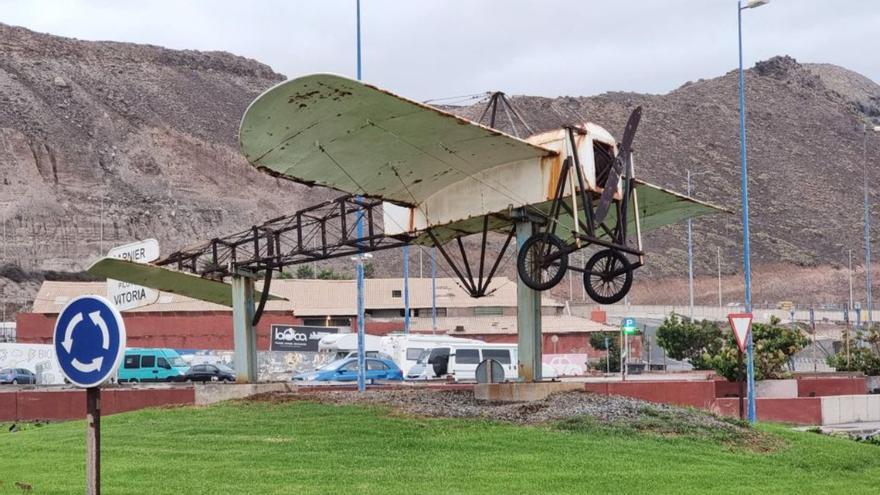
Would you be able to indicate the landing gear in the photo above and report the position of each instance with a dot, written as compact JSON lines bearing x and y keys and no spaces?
{"x":608,"y":276}
{"x":542,"y":261}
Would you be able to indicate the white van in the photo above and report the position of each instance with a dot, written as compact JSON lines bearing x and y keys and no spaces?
{"x":406,"y":349}
{"x":460,"y":361}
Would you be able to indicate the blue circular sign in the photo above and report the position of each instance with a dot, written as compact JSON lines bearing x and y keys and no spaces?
{"x":89,"y":340}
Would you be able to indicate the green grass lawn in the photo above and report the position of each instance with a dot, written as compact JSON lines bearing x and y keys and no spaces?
{"x":305,"y":448}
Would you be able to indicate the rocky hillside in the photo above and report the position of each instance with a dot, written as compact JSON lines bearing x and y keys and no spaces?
{"x":102,"y":143}
{"x":141,"y":137}
{"x":806,"y":160}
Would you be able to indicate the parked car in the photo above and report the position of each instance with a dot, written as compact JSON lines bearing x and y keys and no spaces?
{"x":210,"y":373}
{"x":345,"y":370}
{"x":17,"y":375}
{"x":152,"y":365}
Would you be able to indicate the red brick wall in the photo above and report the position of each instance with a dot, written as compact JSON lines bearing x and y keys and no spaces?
{"x":32,"y":405}
{"x":686,"y":393}
{"x":801,"y":410}
{"x":179,"y":330}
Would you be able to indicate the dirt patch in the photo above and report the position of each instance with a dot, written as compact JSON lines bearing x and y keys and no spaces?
{"x":568,"y":411}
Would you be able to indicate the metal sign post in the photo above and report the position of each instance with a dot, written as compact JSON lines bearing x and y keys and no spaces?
{"x":93,"y":440}
{"x":89,"y":343}
{"x":741,"y":323}
{"x":628,"y":327}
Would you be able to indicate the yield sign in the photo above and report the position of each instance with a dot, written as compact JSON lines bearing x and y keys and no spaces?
{"x":742,"y":325}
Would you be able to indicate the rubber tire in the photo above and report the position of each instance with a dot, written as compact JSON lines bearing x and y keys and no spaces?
{"x":15,"y":381}
{"x":627,"y":282}
{"x":133,"y":380}
{"x":521,"y":262}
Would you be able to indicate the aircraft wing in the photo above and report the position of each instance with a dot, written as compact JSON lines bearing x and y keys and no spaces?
{"x":337,"y":132}
{"x":163,"y":279}
{"x":659,"y":207}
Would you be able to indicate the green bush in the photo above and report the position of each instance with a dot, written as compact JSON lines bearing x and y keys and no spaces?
{"x":705,"y":346}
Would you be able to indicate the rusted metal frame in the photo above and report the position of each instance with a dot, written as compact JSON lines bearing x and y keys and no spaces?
{"x":574,"y":217}
{"x":465,"y":262}
{"x":482,"y":289}
{"x":267,"y":283}
{"x":342,"y":218}
{"x":627,"y":197}
{"x":483,"y":248}
{"x":582,"y":184}
{"x":486,"y":110}
{"x":451,"y":263}
{"x":611,"y":245}
{"x":370,"y":227}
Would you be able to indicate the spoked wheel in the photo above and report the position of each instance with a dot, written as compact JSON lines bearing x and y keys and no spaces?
{"x":608,"y":276}
{"x":542,"y":261}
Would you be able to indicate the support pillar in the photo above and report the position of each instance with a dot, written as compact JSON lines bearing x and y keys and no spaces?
{"x":245,"y":337}
{"x":528,"y":318}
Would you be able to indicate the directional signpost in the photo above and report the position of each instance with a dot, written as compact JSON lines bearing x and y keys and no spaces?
{"x":741,"y":323}
{"x":129,"y":296}
{"x":89,"y":341}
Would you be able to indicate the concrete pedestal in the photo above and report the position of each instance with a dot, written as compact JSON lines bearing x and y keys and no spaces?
{"x":522,"y":391}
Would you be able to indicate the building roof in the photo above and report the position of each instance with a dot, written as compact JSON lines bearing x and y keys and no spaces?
{"x":310,"y":297}
{"x":485,"y":325}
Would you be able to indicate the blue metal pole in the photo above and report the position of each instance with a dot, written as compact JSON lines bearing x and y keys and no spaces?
{"x":747,"y":269}
{"x":433,"y":289}
{"x":362,"y":363}
{"x":406,"y":290}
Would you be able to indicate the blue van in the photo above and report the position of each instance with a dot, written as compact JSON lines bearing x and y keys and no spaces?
{"x":152,"y":365}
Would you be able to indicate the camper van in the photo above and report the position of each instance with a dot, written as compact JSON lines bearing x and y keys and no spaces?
{"x":406,"y":349}
{"x":152,"y":365}
{"x":460,"y":360}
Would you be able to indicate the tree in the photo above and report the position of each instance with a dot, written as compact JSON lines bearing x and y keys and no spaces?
{"x":696,"y":342}
{"x":305,"y":271}
{"x":774,"y":344}
{"x":864,"y":354}
{"x":611,"y":361}
{"x":369,"y":270}
{"x":705,"y":346}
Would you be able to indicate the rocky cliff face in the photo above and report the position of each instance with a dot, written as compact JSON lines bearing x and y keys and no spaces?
{"x":103,"y":143}
{"x":806,"y":159}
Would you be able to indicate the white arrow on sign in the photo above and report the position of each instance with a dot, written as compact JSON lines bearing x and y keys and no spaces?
{"x":129,"y":296}
{"x":95,"y":365}
{"x":67,"y":343}
{"x":742,"y":325}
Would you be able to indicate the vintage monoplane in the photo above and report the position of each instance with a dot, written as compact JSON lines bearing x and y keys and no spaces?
{"x":437,"y":179}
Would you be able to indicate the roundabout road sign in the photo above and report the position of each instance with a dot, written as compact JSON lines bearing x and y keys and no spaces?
{"x":89,"y":340}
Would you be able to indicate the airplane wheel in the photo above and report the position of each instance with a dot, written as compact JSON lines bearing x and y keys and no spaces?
{"x":532,"y":268}
{"x":608,"y":276}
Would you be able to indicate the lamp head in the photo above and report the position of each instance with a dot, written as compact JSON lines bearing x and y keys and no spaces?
{"x":751,"y":4}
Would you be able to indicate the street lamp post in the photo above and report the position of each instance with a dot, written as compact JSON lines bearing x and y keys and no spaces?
{"x":744,"y":186}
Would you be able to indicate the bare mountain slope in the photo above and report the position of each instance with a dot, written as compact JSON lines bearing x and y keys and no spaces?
{"x":805,"y":161}
{"x":147,"y":136}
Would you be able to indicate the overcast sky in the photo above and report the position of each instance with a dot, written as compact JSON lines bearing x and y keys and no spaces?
{"x":431,"y":48}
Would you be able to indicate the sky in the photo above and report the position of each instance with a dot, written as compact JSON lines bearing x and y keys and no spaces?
{"x":431,"y":49}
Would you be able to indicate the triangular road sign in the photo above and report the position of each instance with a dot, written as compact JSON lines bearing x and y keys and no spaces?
{"x":742,"y":325}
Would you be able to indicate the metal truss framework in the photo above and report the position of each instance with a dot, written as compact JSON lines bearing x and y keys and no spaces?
{"x":321,"y":232}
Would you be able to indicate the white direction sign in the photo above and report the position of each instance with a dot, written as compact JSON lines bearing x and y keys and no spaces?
{"x":742,"y":325}
{"x":129,"y":296}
